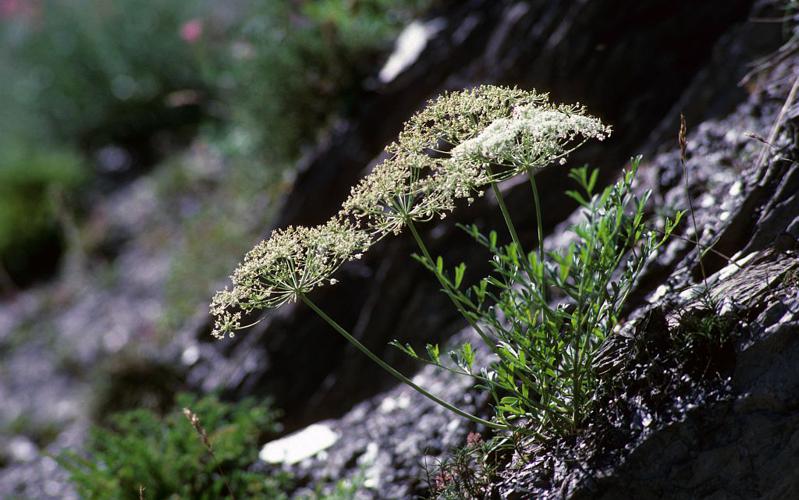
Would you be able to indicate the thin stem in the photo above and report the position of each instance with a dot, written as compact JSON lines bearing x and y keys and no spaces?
{"x":683,"y":147}
{"x":506,"y":214}
{"x":394,"y":372}
{"x":486,"y":339}
{"x":453,"y":370}
{"x":540,"y":229}
{"x":538,"y":218}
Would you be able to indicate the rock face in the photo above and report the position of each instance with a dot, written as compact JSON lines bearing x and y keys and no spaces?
{"x":676,"y":422}
{"x":721,"y":423}
{"x":744,"y":446}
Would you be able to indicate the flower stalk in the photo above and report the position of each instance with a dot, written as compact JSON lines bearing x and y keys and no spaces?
{"x":399,"y":376}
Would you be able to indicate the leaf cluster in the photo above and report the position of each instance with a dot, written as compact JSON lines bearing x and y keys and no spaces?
{"x":166,"y":457}
{"x":544,"y":319}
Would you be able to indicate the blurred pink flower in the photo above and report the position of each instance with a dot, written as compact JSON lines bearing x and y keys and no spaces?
{"x":15,"y":8}
{"x":192,"y":30}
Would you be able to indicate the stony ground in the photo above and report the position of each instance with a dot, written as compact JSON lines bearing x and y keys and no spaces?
{"x":104,"y":318}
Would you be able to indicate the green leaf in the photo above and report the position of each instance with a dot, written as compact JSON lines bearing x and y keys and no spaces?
{"x":406,"y":348}
{"x":565,"y":266}
{"x":468,"y":355}
{"x":423,"y":261}
{"x":577,"y":197}
{"x":592,"y":180}
{"x":459,"y":272}
{"x":433,"y":352}
{"x":579,"y":175}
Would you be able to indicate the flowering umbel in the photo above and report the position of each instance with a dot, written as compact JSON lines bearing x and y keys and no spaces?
{"x":442,"y":155}
{"x":293,"y":261}
{"x":531,"y":138}
{"x":419,"y":180}
{"x":409,"y":187}
{"x":455,"y":117}
{"x":444,"y":151}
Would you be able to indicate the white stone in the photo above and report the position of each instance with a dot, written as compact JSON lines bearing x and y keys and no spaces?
{"x":658,"y":294}
{"x":190,"y":355}
{"x":22,"y":449}
{"x":390,"y":404}
{"x":368,"y":462}
{"x":299,"y":445}
{"x":409,"y":46}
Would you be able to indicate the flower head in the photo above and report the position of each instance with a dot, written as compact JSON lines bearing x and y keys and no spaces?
{"x":408,"y":187}
{"x":191,"y":30}
{"x":455,"y":117}
{"x":419,"y":181}
{"x":292,"y":262}
{"x":531,"y":138}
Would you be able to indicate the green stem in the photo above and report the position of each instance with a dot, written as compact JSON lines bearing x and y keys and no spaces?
{"x":486,"y":339}
{"x":538,"y":218}
{"x":506,"y":215}
{"x":540,"y":229}
{"x":395,"y":373}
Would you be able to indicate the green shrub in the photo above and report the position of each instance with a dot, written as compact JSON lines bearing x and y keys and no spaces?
{"x":167,"y":456}
{"x":543,"y":374}
{"x":32,"y":180}
{"x":296,"y":65}
{"x":99,"y":71}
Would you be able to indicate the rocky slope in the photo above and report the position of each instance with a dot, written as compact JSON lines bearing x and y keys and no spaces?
{"x":721,"y":422}
{"x":670,"y":436}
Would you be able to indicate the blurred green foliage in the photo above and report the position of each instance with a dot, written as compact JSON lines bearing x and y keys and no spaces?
{"x":78,"y":75}
{"x":167,"y":458}
{"x":301,"y":63}
{"x":32,"y":181}
{"x":261,"y":78}
{"x":97,"y":71}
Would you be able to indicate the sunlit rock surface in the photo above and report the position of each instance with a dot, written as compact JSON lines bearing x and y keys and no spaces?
{"x":299,"y":445}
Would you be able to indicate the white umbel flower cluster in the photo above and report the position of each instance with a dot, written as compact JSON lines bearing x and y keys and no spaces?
{"x":531,"y":139}
{"x":410,"y":187}
{"x":293,"y":261}
{"x":420,"y":180}
{"x":441,"y":156}
{"x":397,"y":191}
